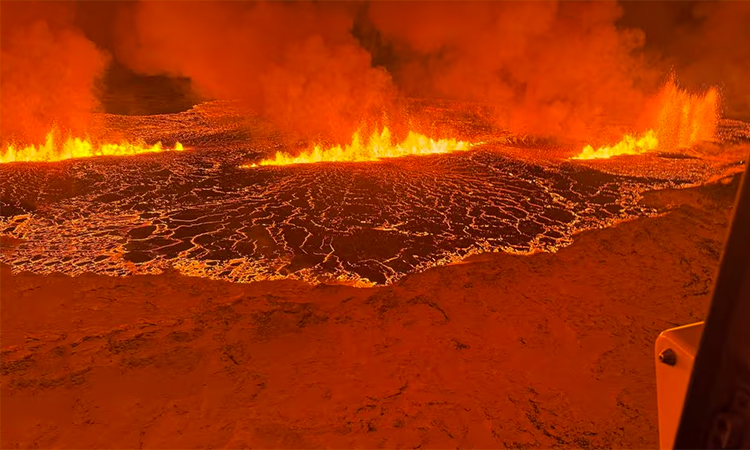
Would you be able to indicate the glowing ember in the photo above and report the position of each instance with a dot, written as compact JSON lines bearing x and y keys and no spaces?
{"x":54,"y":149}
{"x":378,"y":146}
{"x":683,"y":120}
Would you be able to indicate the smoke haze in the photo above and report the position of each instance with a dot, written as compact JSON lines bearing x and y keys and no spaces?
{"x":296,"y":63}
{"x":548,"y":68}
{"x":49,"y":72}
{"x":324,"y":69}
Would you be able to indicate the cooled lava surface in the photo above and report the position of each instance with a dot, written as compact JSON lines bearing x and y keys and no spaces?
{"x":206,"y":212}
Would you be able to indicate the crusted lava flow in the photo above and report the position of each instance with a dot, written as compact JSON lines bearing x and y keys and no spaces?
{"x":201,"y":213}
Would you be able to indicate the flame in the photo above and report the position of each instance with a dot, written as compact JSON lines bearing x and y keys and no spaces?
{"x":378,"y":146}
{"x":682,"y":120}
{"x":629,"y":145}
{"x":54,"y":149}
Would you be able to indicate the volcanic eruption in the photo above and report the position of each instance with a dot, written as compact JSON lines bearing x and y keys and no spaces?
{"x":56,"y":149}
{"x":681,"y":121}
{"x":378,"y":146}
{"x":357,"y":224}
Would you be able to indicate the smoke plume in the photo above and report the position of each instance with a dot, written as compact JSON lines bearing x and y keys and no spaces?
{"x":576,"y":70}
{"x":49,"y":72}
{"x":713,"y":48}
{"x":560,"y":69}
{"x":297,"y":63}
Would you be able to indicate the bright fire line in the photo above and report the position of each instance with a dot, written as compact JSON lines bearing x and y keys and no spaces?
{"x":378,"y":146}
{"x":629,"y":145}
{"x":682,"y":120}
{"x":54,"y":149}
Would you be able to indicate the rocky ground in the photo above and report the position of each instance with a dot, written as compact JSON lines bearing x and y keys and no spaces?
{"x":541,"y":351}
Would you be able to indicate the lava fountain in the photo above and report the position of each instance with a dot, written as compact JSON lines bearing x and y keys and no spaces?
{"x":57,"y":149}
{"x":683,"y":120}
{"x":376,"y":147}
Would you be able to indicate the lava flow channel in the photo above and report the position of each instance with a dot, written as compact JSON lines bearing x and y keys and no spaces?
{"x":683,"y":120}
{"x":378,"y":146}
{"x":57,"y":149}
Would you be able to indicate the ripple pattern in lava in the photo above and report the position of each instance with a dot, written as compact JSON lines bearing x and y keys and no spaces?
{"x":360,"y":223}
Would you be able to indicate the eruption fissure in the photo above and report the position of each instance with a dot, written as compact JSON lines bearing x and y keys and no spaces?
{"x":470,"y":75}
{"x":373,"y":223}
{"x":376,"y":147}
{"x":682,"y":121}
{"x":55,"y":148}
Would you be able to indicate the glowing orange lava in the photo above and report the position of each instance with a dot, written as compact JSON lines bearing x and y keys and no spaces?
{"x":629,"y":145}
{"x":56,"y":149}
{"x":378,"y":146}
{"x":682,"y":120}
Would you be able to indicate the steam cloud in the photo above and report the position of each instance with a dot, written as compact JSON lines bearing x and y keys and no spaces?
{"x":548,"y":68}
{"x":297,"y":63}
{"x":715,"y":49}
{"x":49,"y":72}
{"x":564,"y":69}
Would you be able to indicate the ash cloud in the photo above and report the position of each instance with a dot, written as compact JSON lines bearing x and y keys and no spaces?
{"x":49,"y":73}
{"x":559,"y":69}
{"x":711,"y":46}
{"x":324,"y":69}
{"x":296,"y":63}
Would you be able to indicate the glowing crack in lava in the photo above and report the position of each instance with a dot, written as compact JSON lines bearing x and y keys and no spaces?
{"x":198,"y":212}
{"x":377,"y":147}
{"x":55,"y":149}
{"x":682,"y":121}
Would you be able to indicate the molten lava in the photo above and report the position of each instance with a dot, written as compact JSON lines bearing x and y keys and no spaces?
{"x":682,"y":120}
{"x":377,"y":147}
{"x":629,"y":145}
{"x":57,"y":149}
